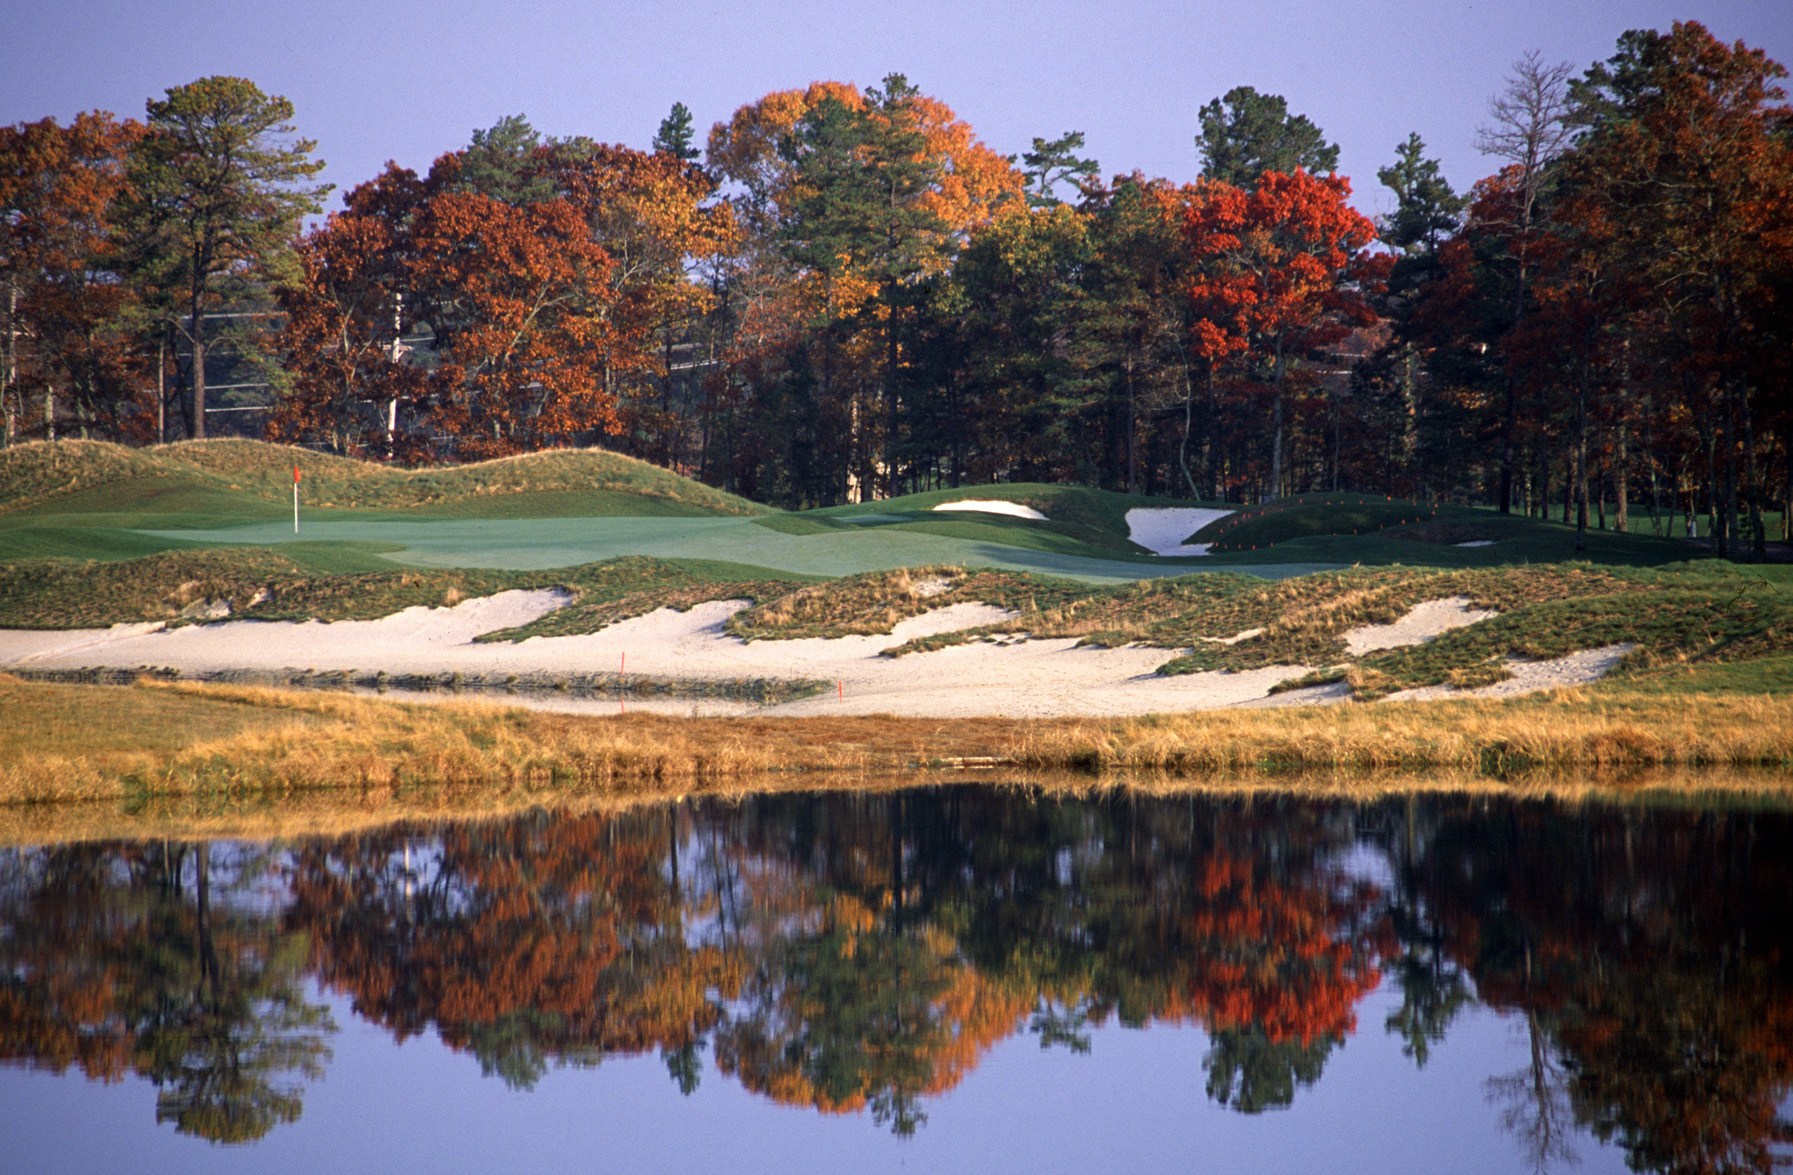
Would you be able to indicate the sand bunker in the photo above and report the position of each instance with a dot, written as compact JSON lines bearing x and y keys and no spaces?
{"x":1162,"y":531}
{"x":1423,"y":623}
{"x":992,"y":506}
{"x":1530,"y":676}
{"x":1007,"y":675}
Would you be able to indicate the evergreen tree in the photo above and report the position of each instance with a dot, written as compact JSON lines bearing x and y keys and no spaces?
{"x":219,"y":195}
{"x":1427,"y":208}
{"x":1245,"y":134}
{"x":674,"y":136}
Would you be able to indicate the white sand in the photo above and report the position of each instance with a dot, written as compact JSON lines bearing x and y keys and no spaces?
{"x":1530,"y":676}
{"x":1162,"y":531}
{"x":992,"y":506}
{"x":1011,"y":676}
{"x":1423,"y":623}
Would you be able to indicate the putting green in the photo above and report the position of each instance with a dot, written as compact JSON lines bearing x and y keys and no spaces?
{"x":534,"y":544}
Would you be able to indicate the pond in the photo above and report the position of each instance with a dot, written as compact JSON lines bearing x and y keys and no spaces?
{"x":940,"y":979}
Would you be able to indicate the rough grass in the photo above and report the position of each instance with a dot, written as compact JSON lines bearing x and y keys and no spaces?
{"x":262,"y":584}
{"x":238,"y":745}
{"x":1700,"y":614}
{"x":874,"y":603}
{"x":94,"y":477}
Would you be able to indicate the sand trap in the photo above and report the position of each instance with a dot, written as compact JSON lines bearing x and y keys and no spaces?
{"x":1475,"y":543}
{"x":1580,"y":668}
{"x":1007,"y":676}
{"x":1424,"y":622}
{"x":1162,"y":531}
{"x":992,"y":506}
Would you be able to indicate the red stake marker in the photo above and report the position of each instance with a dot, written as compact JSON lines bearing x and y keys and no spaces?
{"x":842,"y":694}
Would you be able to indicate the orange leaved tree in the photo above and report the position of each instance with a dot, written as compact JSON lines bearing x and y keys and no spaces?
{"x":1278,"y":264}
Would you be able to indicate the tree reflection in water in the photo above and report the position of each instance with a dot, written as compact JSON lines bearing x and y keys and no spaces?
{"x":121,"y":959}
{"x":859,"y":953}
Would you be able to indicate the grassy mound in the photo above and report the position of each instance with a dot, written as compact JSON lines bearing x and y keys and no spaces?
{"x":254,"y":479}
{"x":195,"y":586}
{"x":1376,"y":531}
{"x":1307,"y":515}
{"x":1078,"y":519}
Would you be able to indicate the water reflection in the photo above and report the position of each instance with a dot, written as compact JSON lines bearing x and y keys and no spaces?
{"x":860,"y":954}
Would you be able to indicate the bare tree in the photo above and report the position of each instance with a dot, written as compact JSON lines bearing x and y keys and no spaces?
{"x":1529,"y":126}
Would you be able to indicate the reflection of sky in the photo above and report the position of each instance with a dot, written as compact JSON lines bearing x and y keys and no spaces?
{"x":1136,"y":1102}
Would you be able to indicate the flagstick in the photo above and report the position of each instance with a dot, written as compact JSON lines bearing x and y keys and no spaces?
{"x":295,"y":499}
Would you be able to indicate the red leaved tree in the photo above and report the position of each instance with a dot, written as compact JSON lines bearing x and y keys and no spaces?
{"x":1276,"y":269}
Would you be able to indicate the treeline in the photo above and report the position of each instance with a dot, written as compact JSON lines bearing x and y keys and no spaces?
{"x":848,"y":295}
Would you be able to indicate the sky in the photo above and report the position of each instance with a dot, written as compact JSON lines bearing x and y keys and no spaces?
{"x":373,"y":80}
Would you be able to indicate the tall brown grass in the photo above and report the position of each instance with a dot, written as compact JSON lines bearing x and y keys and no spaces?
{"x":260,"y":741}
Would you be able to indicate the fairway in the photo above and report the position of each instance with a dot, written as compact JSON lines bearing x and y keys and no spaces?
{"x":533,"y":544}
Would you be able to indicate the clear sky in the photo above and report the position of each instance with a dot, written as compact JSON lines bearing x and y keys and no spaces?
{"x":406,"y":80}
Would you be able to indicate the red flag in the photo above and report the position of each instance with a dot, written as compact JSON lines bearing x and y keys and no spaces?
{"x":295,"y":475}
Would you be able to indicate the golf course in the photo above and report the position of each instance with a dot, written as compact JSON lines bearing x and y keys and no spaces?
{"x":580,"y":619}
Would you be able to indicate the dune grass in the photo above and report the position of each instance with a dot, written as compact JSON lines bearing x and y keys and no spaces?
{"x":241,"y":745}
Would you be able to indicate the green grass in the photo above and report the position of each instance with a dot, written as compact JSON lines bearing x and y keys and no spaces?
{"x":1079,"y":509}
{"x":1374,"y":531}
{"x":205,"y":481}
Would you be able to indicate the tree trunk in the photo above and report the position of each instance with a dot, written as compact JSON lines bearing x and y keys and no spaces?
{"x":1758,"y":535}
{"x":1276,"y":414}
{"x":1133,"y":430}
{"x":1188,"y":422}
{"x":1506,"y":444}
{"x":1621,"y":478}
{"x":1568,"y":484}
{"x":196,"y":335}
{"x":1581,"y":466}
{"x":1732,"y":533}
{"x":1709,"y":434}
{"x":9,"y":370}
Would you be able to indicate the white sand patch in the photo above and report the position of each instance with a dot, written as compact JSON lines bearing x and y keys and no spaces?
{"x":993,"y":506}
{"x":1020,"y":678}
{"x":1475,"y":543}
{"x":1243,"y":635}
{"x":1162,"y":531}
{"x":412,"y":641}
{"x":1426,"y":621}
{"x":23,"y":647}
{"x":1589,"y":665}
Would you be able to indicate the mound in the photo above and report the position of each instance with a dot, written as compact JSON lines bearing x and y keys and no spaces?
{"x":577,"y":481}
{"x":1309,"y":515}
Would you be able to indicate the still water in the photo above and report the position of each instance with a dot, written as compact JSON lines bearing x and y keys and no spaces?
{"x":947,"y":979}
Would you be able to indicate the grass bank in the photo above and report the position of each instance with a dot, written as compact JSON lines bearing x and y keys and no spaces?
{"x":236,"y":743}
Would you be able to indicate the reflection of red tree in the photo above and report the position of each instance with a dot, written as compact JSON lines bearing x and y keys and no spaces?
{"x":567,"y":922}
{"x":1292,"y":961}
